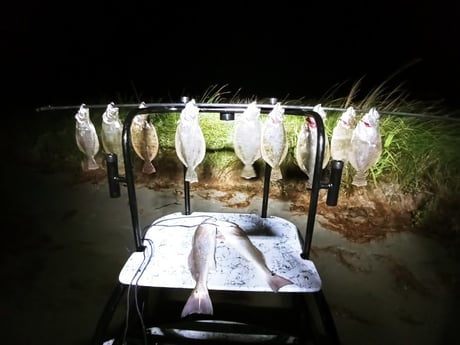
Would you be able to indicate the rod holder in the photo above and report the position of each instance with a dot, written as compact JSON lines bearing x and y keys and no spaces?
{"x":334,"y":182}
{"x":112,"y":175}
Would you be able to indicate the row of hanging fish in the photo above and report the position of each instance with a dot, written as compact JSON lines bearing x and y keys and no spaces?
{"x":253,"y":140}
{"x":143,"y":136}
{"x":359,"y":144}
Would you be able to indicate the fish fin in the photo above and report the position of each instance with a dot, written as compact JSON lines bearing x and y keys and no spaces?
{"x":92,"y":164}
{"x":359,"y":179}
{"x":276,"y":174}
{"x":148,"y":168}
{"x":248,"y":172}
{"x":198,"y":302}
{"x":276,"y":282}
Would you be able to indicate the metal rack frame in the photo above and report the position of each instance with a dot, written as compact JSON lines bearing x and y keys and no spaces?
{"x":226,"y":111}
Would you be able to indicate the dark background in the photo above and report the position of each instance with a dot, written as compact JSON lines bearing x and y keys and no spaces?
{"x":69,"y":53}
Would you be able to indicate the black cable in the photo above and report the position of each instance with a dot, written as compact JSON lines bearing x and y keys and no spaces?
{"x":143,"y":266}
{"x":137,"y":275}
{"x":139,"y":314}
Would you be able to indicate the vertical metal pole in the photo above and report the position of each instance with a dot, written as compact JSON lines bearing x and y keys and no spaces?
{"x":112,"y":175}
{"x":267,"y":176}
{"x":316,"y":184}
{"x":129,"y":175}
{"x":334,"y":183}
{"x":186,"y":194}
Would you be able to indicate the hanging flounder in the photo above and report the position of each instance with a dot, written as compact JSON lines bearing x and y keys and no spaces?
{"x":86,"y":137}
{"x":307,"y":141}
{"x":111,"y":133}
{"x":246,"y":139}
{"x":144,"y":140}
{"x":341,"y":135}
{"x":190,"y":143}
{"x":366,"y":146}
{"x":274,"y":144}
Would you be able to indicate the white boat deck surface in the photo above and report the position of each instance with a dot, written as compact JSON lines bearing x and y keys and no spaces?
{"x":168,"y":241}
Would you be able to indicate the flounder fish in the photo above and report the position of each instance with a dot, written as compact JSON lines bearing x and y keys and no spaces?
{"x":366,"y":146}
{"x":274,"y":144}
{"x":189,"y":141}
{"x":201,"y":261}
{"x":112,"y":132}
{"x":341,"y":135}
{"x":246,"y":139}
{"x":144,"y":140}
{"x":86,"y":138}
{"x":307,"y":141}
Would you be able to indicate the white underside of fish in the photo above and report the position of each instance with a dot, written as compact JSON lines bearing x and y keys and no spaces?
{"x":366,"y":146}
{"x":363,"y":156}
{"x":190,"y":148}
{"x":306,"y":152}
{"x":341,"y":143}
{"x":111,"y":139}
{"x":246,"y":142}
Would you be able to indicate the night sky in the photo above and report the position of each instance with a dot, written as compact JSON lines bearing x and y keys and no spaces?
{"x":61,"y":54}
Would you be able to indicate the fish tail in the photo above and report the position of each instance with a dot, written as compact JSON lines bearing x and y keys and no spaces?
{"x":92,"y":164}
{"x":191,"y":176}
{"x":359,"y":179}
{"x":198,"y":302}
{"x":276,"y":282}
{"x":276,"y":174}
{"x":248,"y":171}
{"x":148,"y":168}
